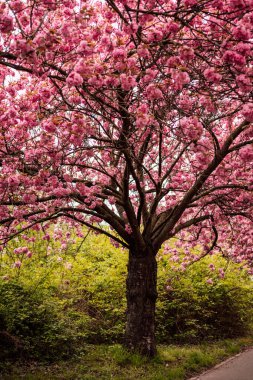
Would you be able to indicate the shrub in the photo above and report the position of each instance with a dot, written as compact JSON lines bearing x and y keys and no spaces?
{"x":32,"y":324}
{"x":53,"y":303}
{"x":191,"y":309}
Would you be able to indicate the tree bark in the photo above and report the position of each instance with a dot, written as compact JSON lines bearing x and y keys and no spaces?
{"x":141,"y":302}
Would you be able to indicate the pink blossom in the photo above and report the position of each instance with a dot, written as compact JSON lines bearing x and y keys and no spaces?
{"x":127,"y":82}
{"x":172,"y":27}
{"x":155,"y":35}
{"x":49,"y":250}
{"x":191,"y":127}
{"x":74,"y":79}
{"x":6,"y":24}
{"x":221,"y":273}
{"x":212,"y":267}
{"x":247,"y":111}
{"x":17,"y":264}
{"x":66,"y":30}
{"x":150,"y":75}
{"x":84,"y":48}
{"x":17,"y":5}
{"x":186,"y":53}
{"x":243,"y":48}
{"x":20,"y":250}
{"x":244,"y":83}
{"x":46,"y":237}
{"x":241,"y":33}
{"x":81,"y":67}
{"x":232,"y":57}
{"x":180,"y":78}
{"x":209,"y":281}
{"x":246,"y":153}
{"x":23,"y":47}
{"x":29,"y":254}
{"x":153,"y":92}
{"x":207,"y":103}
{"x":119,"y":53}
{"x":175,"y":258}
{"x":114,"y":243}
{"x":117,"y":121}
{"x":190,"y":3}
{"x":143,"y":108}
{"x":212,"y":76}
{"x":29,"y":198}
{"x":50,"y":4}
{"x":50,"y":127}
{"x":236,"y":3}
{"x":183,"y":267}
{"x":142,"y":52}
{"x":142,"y":120}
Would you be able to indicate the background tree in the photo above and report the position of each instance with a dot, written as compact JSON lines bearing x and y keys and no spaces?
{"x":134,"y":113}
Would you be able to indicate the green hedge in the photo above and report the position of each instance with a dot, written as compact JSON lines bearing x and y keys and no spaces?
{"x":51,"y":305}
{"x":192,"y":309}
{"x":33,"y":324}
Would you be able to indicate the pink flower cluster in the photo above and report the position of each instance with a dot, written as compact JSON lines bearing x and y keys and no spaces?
{"x":127,"y":82}
{"x":241,"y":33}
{"x":153,"y":92}
{"x":74,"y":79}
{"x":119,"y":54}
{"x":172,"y":27}
{"x":17,"y":264}
{"x":221,"y":273}
{"x":212,"y":76}
{"x":186,"y":53}
{"x":190,"y":3}
{"x":246,"y":153}
{"x":244,"y":83}
{"x":232,"y":57}
{"x":142,"y":116}
{"x":17,"y":5}
{"x":6,"y":23}
{"x":191,"y":127}
{"x":247,"y":111}
{"x":23,"y":251}
{"x":142,"y":51}
{"x":180,"y":78}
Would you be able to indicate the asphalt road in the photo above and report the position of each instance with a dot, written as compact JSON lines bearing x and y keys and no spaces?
{"x":239,"y":367}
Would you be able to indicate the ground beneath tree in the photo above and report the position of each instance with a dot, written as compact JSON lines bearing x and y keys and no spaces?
{"x":103,"y":362}
{"x":240,"y":367}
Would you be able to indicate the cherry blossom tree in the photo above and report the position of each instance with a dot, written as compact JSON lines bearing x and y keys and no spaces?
{"x":133,"y":118}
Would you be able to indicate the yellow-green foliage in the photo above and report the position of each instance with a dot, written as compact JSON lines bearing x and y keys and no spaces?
{"x":64,"y":295}
{"x":198,"y":304}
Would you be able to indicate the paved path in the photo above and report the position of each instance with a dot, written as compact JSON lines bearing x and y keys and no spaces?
{"x":240,"y":367}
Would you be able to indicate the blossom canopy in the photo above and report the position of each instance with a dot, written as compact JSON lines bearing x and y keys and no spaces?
{"x":134,"y":113}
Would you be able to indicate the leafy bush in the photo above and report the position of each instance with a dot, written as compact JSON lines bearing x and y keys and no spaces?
{"x":191,"y":308}
{"x":32,"y":324}
{"x":54,"y":301}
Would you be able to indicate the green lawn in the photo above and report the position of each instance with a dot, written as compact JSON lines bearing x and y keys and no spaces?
{"x":113,"y":362}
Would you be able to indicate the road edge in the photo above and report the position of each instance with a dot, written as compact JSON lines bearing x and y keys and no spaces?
{"x":231,"y":358}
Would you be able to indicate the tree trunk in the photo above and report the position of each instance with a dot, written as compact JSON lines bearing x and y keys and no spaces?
{"x":141,"y":301}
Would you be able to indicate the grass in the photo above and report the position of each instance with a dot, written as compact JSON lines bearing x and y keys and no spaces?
{"x":106,"y":362}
